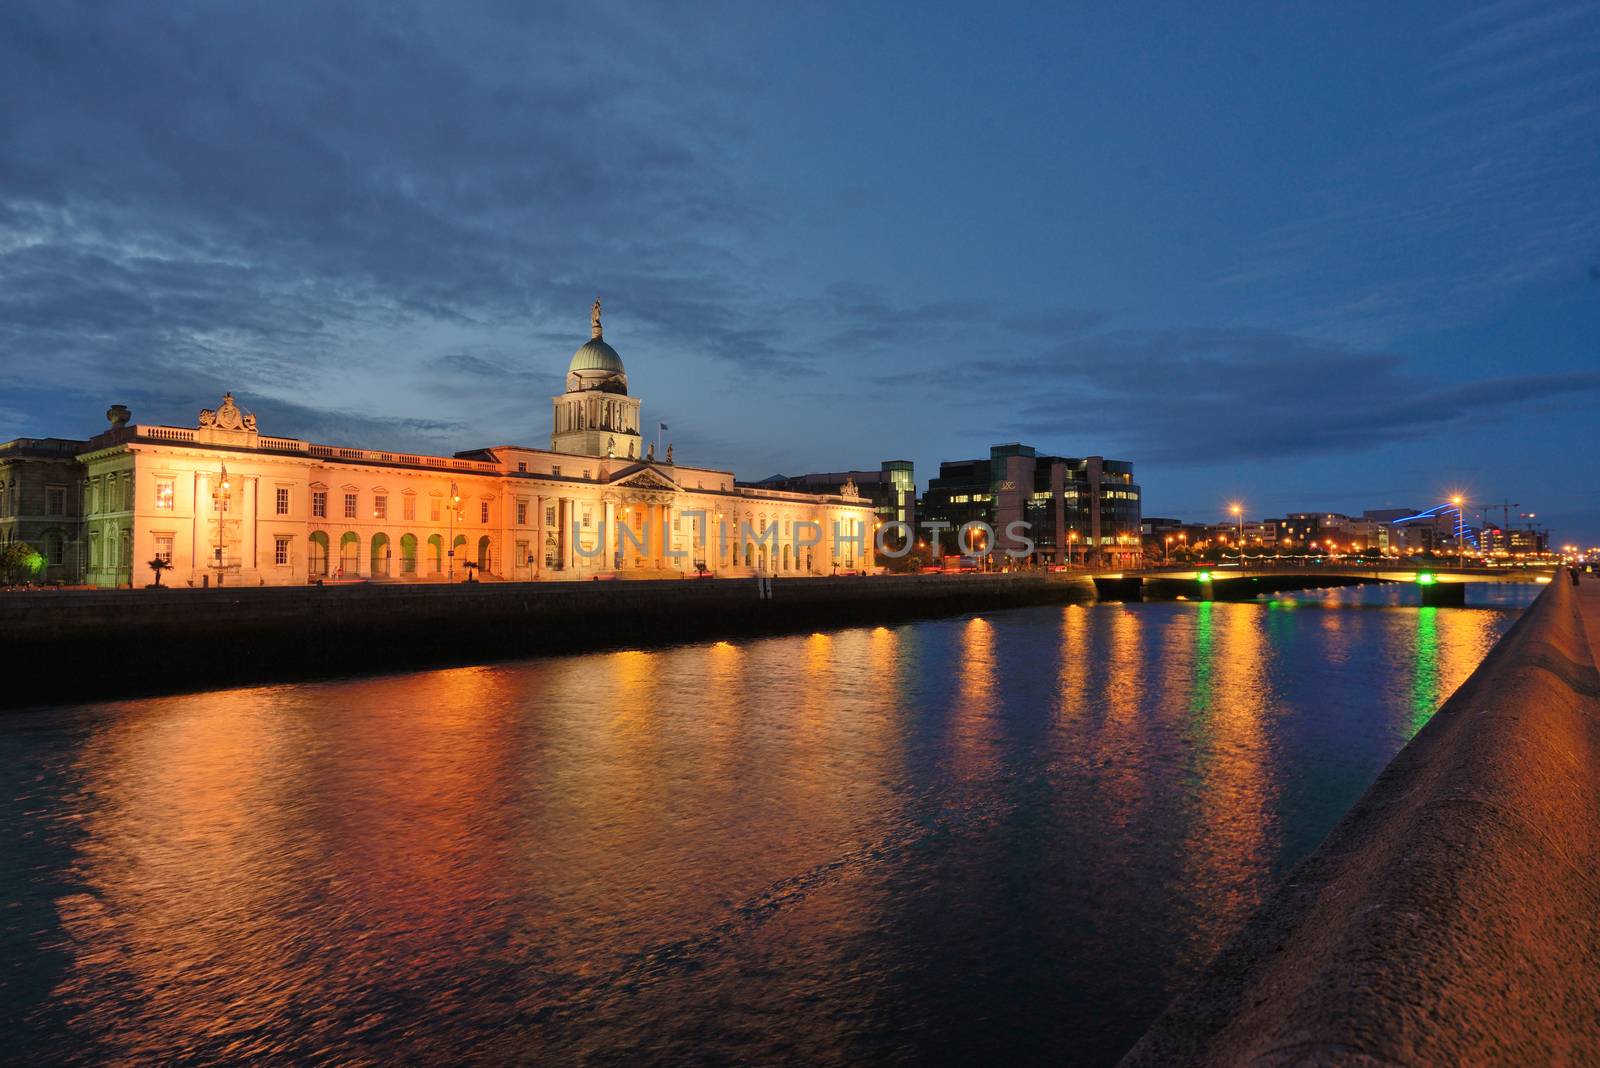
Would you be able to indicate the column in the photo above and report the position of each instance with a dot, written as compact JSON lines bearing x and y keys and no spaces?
{"x":666,"y":541}
{"x":609,"y":557}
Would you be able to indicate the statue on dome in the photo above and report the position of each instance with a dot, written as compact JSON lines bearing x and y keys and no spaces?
{"x":650,"y":452}
{"x":669,"y":452}
{"x":594,"y":319}
{"x":611,"y":447}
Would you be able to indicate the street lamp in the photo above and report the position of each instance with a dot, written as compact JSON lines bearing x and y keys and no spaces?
{"x":1238,"y":514}
{"x":1461,"y":531}
{"x":455,"y":502}
{"x":219,"y":505}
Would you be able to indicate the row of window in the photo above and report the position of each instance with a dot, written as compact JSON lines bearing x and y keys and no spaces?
{"x":55,"y":499}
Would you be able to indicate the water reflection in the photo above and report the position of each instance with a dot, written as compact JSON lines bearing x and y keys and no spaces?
{"x":986,"y":838}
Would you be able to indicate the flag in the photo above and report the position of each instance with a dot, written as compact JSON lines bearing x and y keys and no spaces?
{"x":663,"y":426}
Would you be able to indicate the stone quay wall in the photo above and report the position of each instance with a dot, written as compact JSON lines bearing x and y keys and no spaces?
{"x":80,"y":645}
{"x":1451,"y":916}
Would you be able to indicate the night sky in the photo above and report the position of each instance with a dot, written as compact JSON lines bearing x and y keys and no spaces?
{"x":1311,"y":257}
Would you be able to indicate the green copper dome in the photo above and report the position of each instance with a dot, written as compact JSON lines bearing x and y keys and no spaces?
{"x":596,"y":355}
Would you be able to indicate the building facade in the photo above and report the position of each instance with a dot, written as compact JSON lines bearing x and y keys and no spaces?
{"x":1081,"y":511}
{"x":891,"y":491}
{"x":221,"y":502}
{"x":41,"y":502}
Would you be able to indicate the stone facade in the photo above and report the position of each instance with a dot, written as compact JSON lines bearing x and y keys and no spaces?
{"x":41,"y":498}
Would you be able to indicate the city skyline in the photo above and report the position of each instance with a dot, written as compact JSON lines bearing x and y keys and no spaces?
{"x":1341,"y":261}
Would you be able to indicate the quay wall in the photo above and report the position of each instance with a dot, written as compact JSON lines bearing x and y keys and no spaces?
{"x":1451,"y":916}
{"x":77,"y":645}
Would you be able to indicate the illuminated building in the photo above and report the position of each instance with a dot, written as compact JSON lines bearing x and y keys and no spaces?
{"x":1084,"y":510}
{"x":222,"y":501}
{"x":40,"y":503}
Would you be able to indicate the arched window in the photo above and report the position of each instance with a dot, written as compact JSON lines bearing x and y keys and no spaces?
{"x":350,"y":554}
{"x":380,"y":554}
{"x":408,"y":555}
{"x":483,"y":554}
{"x":436,"y":554}
{"x":317,"y":554}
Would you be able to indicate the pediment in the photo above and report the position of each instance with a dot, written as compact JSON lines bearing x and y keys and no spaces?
{"x":648,"y":479}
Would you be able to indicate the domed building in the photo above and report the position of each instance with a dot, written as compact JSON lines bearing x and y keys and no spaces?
{"x":222,"y":503}
{"x":595,"y":416}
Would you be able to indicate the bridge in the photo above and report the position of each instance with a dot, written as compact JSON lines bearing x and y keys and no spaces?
{"x":1440,"y":586}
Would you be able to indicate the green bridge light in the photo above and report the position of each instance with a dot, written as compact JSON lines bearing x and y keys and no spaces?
{"x":1425,"y":578}
{"x":1203,"y":576}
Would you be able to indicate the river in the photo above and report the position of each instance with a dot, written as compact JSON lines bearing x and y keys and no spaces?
{"x":1006,"y":838}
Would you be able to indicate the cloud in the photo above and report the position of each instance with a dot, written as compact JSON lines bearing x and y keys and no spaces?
{"x":1200,"y":396}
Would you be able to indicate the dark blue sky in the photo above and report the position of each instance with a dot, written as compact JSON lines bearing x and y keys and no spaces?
{"x":1340,"y":257}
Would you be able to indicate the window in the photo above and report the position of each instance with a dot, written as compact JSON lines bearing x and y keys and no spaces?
{"x":349,"y":505}
{"x":549,"y":515}
{"x":586,"y":515}
{"x":56,"y":545}
{"x":523,"y":556}
{"x":319,"y":503}
{"x":127,"y":492}
{"x":483,"y":512}
{"x":127,"y":548}
{"x":164,"y":547}
{"x":55,"y":500}
{"x":281,"y":505}
{"x":164,"y":493}
{"x":94,"y":549}
{"x":434,"y":508}
{"x":280,"y":551}
{"x":522,"y":466}
{"x":556,"y":470}
{"x":408,"y":507}
{"x":380,"y":507}
{"x":220,"y":502}
{"x":522,"y":513}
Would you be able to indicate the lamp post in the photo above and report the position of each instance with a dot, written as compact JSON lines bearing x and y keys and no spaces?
{"x":455,"y":502}
{"x":1238,"y":515}
{"x":219,"y":505}
{"x":1072,"y":548}
{"x":1461,"y":531}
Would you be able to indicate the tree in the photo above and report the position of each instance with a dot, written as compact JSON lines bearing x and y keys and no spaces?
{"x":158,"y":565}
{"x":19,"y":562}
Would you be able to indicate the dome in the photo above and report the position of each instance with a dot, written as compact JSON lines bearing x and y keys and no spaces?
{"x":596,"y":355}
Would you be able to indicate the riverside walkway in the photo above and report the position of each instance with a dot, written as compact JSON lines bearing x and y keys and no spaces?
{"x":1453,"y":915}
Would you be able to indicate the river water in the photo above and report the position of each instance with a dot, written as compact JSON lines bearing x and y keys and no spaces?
{"x":995,"y":839}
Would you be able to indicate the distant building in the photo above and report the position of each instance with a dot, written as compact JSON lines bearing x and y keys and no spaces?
{"x":892,"y":490}
{"x":1514,"y":542}
{"x":41,"y":503}
{"x":1077,"y":510}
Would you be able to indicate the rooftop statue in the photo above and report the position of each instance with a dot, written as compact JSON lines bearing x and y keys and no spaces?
{"x":227,"y":416}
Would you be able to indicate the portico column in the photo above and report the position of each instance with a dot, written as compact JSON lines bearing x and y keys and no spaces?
{"x":665,"y":544}
{"x":609,"y":560}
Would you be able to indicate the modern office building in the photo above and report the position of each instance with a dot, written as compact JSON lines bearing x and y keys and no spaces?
{"x":1075,"y":510}
{"x":223,"y":502}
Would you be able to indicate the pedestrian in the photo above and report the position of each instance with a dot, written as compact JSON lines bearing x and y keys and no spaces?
{"x":1574,"y":572}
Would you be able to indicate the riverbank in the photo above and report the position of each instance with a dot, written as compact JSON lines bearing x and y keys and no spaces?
{"x":83,"y":645}
{"x":1449,"y":918}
